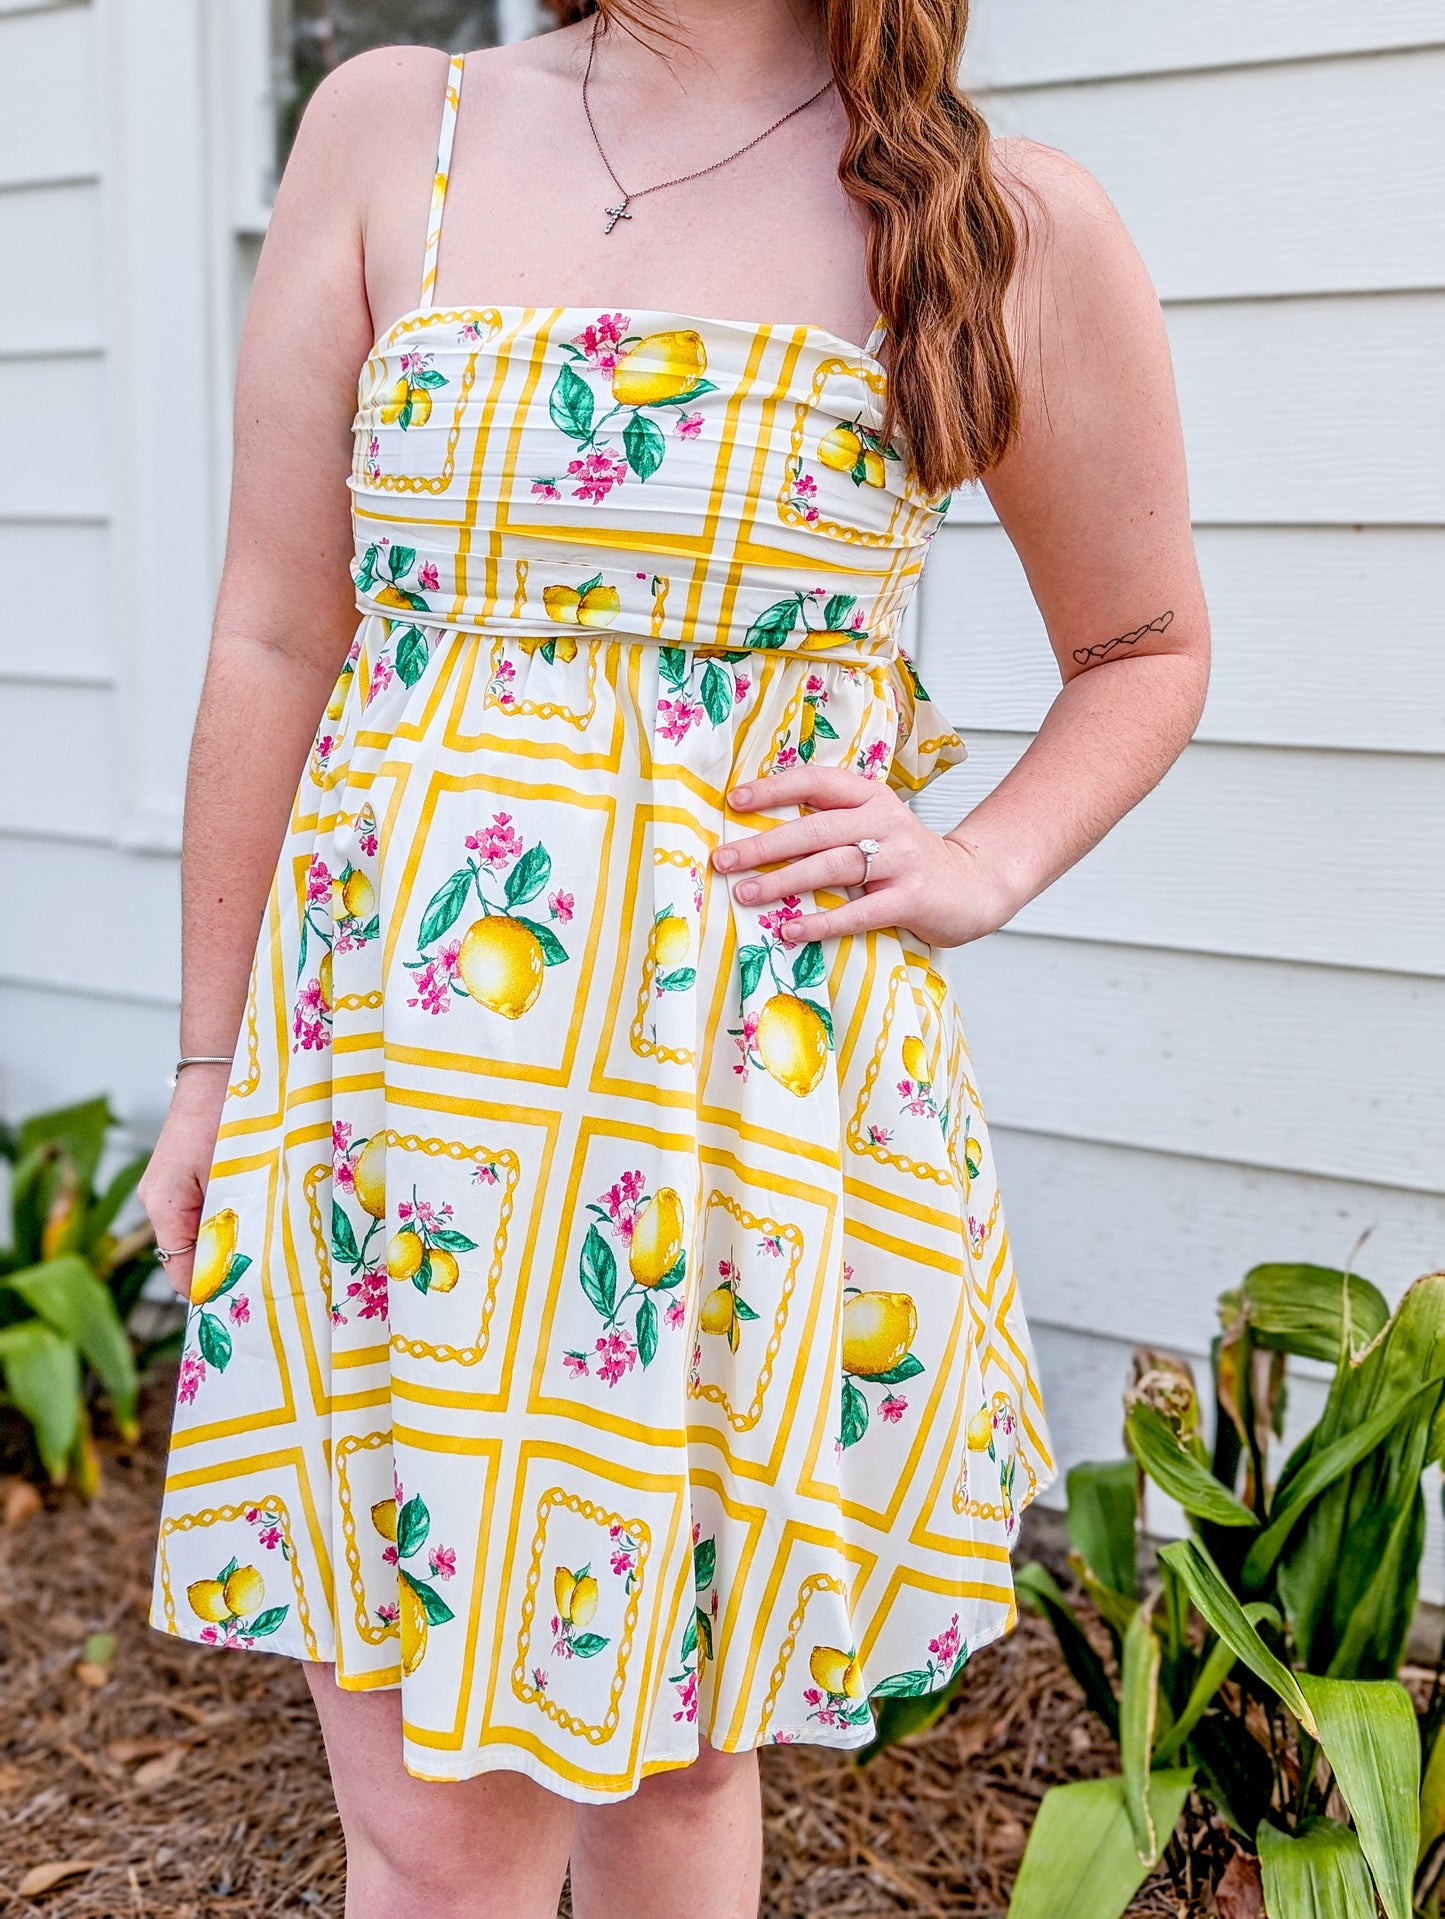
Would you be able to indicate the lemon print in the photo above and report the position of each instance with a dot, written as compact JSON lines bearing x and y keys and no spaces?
{"x":807,"y":720}
{"x":656,"y":1238}
{"x":792,"y":1043}
{"x":383,"y":1517}
{"x":501,"y":965}
{"x":444,"y":1270}
{"x":915,"y":1062}
{"x":413,"y":1631}
{"x":980,"y":1430}
{"x":659,"y":368}
{"x":935,"y":985}
{"x":389,"y":595}
{"x":828,"y":637}
{"x":336,"y":704}
{"x":215,"y":1248}
{"x":396,"y":398}
{"x":874,"y":470}
{"x":576,"y":1598}
{"x":670,"y":938}
{"x":207,"y":1599}
{"x":839,"y":449}
{"x":323,"y":980}
{"x":404,"y":1254}
{"x":878,"y":1330}
{"x":369,"y":1176}
{"x":420,"y":406}
{"x":598,"y":606}
{"x":838,"y":1673}
{"x":720,"y":1315}
{"x":562,"y":603}
{"x":358,"y":897}
{"x":244,"y":1591}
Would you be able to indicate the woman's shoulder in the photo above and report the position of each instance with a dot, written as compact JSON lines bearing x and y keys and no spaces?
{"x":1071,"y":230}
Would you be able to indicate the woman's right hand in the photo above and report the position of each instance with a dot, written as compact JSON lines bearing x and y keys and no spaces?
{"x":173,"y":1186}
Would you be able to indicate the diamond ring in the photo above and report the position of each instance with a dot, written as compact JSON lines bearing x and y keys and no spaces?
{"x":870,"y":849}
{"x":164,"y":1253}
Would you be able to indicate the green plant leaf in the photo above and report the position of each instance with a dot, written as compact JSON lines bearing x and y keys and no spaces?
{"x":1138,"y":1717}
{"x":1368,"y":1732}
{"x":413,"y":1523}
{"x":1102,"y":1498}
{"x":71,"y":1300}
{"x":598,"y":1272}
{"x":42,"y":1376}
{"x":1036,"y":1589}
{"x":102,"y":1212}
{"x":1301,"y":1309}
{"x":570,"y":405}
{"x":80,"y":1130}
{"x":444,"y":907}
{"x":1238,"y":1774}
{"x":1176,"y":1470}
{"x":1318,"y":1872}
{"x":898,"y":1717}
{"x":644,"y":445}
{"x":1080,"y":1859}
{"x":214,"y":1340}
{"x":1228,"y":1618}
{"x":1219,"y":1663}
{"x":529,"y":875}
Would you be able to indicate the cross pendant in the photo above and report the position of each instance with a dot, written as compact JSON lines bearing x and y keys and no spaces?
{"x":614,"y":214}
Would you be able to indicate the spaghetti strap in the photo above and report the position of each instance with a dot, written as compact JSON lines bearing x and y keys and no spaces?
{"x":439,"y":184}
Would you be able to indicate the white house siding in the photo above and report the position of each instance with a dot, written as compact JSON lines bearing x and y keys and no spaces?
{"x":1221,"y":1039}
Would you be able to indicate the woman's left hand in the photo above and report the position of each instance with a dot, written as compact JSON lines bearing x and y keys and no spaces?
{"x":940,"y":889}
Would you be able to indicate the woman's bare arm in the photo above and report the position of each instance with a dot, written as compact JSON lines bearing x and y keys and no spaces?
{"x":285,"y":612}
{"x":1093,"y":496}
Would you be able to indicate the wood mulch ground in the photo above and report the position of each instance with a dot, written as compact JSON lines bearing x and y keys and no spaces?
{"x":192,"y":1785}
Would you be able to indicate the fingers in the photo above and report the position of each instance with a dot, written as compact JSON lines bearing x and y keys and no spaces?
{"x":863,"y":915}
{"x":804,"y":786}
{"x":175,"y":1218}
{"x":833,"y":871}
{"x":792,"y":840}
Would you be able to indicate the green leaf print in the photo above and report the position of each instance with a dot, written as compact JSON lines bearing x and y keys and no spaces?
{"x":412,"y":654}
{"x":742,"y":1308}
{"x":823,"y":729}
{"x":689,"y":1637}
{"x":437,"y":1611}
{"x":413,"y":1523}
{"x":809,"y":967}
{"x":855,"y":1414}
{"x":571,"y":405}
{"x":903,"y":1685}
{"x":717,"y":692}
{"x":553,"y":951}
{"x":430,"y":378}
{"x":672,"y":665}
{"x":919,"y":691}
{"x":214,"y":1342}
{"x":647,"y":1331}
{"x":751,"y":961}
{"x":451,"y":1241}
{"x":444,"y":908}
{"x":529,"y":876}
{"x":907,"y":1368}
{"x":400,"y":560}
{"x":365,"y":575}
{"x":225,"y":1573}
{"x":235,"y":1271}
{"x":343,"y":1238}
{"x":676,"y":1272}
{"x":823,"y":1014}
{"x":837,"y":609}
{"x":266,"y":1622}
{"x":587,"y":1645}
{"x":704,"y":1631}
{"x":421,"y":1278}
{"x":642,"y":439}
{"x":773,"y":624}
{"x":693,"y":392}
{"x":598,"y":1272}
{"x":678,"y":980}
{"x":704,"y":1563}
{"x":587,"y":585}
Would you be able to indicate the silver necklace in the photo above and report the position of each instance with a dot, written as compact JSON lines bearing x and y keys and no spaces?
{"x":619,"y":211}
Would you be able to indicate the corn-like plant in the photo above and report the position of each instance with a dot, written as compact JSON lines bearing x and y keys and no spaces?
{"x":68,"y":1285}
{"x":1259,"y":1668}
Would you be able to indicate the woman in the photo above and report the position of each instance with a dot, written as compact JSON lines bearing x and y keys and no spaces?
{"x":604,"y":1354}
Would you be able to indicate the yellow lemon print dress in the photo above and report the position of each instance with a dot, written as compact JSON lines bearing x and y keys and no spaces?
{"x":604,"y":1326}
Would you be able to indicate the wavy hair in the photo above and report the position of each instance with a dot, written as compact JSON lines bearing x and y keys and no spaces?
{"x":942,"y":240}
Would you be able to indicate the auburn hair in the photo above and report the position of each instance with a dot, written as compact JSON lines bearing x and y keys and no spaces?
{"x":942,"y":240}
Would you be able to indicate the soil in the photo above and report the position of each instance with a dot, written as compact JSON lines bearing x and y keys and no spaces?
{"x":190,"y":1784}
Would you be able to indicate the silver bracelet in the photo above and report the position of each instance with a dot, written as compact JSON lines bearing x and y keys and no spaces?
{"x":203,"y":1059}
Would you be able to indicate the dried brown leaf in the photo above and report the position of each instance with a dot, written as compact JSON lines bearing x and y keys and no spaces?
{"x":41,"y":1878}
{"x":156,"y":1771}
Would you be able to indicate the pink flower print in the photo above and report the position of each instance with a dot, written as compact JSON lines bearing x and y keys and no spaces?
{"x":338,"y":1318}
{"x":847,"y":1274}
{"x":678,"y":717}
{"x":687,"y":1698}
{"x":576,"y":1364}
{"x":443,"y":1562}
{"x":617,"y":1358}
{"x":790,"y":908}
{"x":209,"y":1635}
{"x":433,"y":981}
{"x":498,"y":844}
{"x":340,"y":1149}
{"x":815,"y":683}
{"x":373,"y":459}
{"x":428,"y":579}
{"x":785,"y":1738}
{"x":856,"y":623}
{"x":253,"y":1513}
{"x":596,"y":474}
{"x":771,"y":1243}
{"x":546,"y":489}
{"x":620,"y":1201}
{"x":539,"y":1679}
{"x":240,"y":1310}
{"x":945,"y":1647}
{"x":382,"y":675}
{"x":875,"y":760}
{"x":879,"y":1136}
{"x":309,"y":1024}
{"x":741,"y":684}
{"x":621,"y":1564}
{"x":600,"y":341}
{"x":744,"y":1041}
{"x":811,"y":1696}
{"x":787,"y":757}
{"x":389,"y":1556}
{"x":561,"y":905}
{"x":893,"y":1408}
{"x":270,"y":1537}
{"x":484,"y":1174}
{"x":806,"y":485}
{"x":368,"y":842}
{"x":689,"y":426}
{"x":318,"y":881}
{"x":389,"y":1613}
{"x":192,"y":1378}
{"x":370,"y":1294}
{"x":676,"y":1313}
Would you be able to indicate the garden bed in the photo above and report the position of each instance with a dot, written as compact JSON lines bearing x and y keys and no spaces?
{"x":193,"y":1785}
